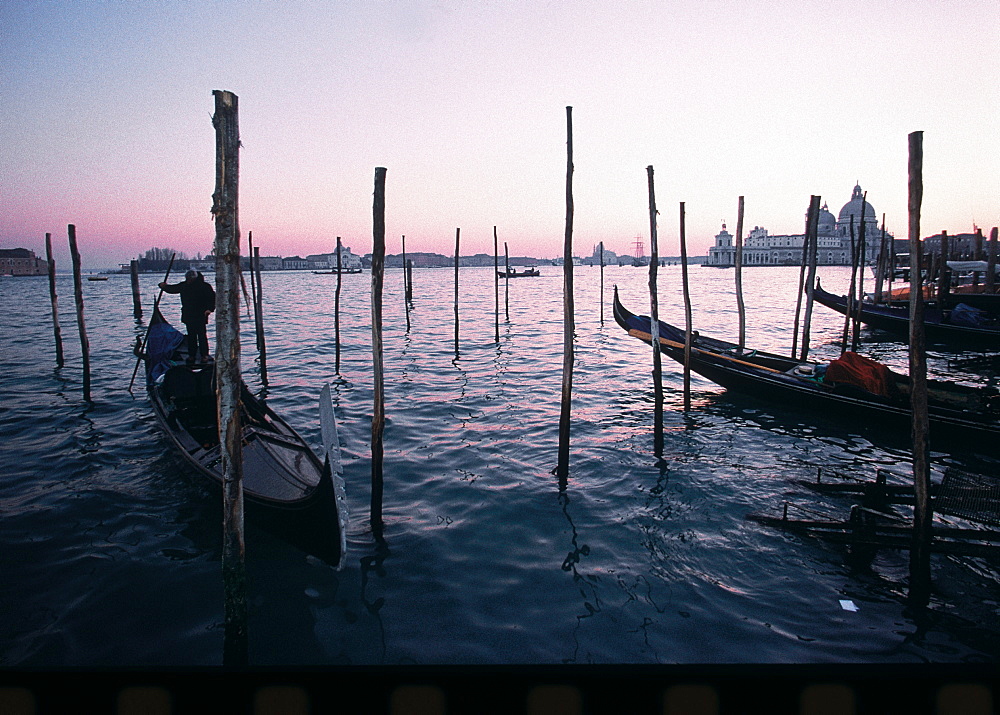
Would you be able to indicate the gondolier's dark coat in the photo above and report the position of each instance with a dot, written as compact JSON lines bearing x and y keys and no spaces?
{"x":197,"y":296}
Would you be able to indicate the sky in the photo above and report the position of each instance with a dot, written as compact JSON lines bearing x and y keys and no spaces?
{"x":106,"y":107}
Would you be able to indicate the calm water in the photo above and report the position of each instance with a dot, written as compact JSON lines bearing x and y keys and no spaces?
{"x":110,"y":548}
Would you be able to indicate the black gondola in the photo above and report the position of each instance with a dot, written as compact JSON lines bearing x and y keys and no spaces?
{"x":963,"y":326}
{"x":287,"y":489}
{"x":512,"y":273}
{"x":959,"y":414}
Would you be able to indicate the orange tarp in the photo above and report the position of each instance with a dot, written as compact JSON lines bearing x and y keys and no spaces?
{"x":858,"y":370}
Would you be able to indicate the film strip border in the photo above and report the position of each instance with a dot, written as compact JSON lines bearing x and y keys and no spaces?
{"x":968,"y":689}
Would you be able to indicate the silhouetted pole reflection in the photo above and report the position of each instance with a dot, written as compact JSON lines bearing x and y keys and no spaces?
{"x":378,"y":414}
{"x":225,"y":208}
{"x":54,"y":300}
{"x":654,"y":323}
{"x":562,"y":467}
{"x":922,"y":511}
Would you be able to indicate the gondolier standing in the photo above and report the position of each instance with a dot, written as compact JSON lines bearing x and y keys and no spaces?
{"x":197,"y":303}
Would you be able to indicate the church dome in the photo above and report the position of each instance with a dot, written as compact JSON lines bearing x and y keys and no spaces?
{"x":826,"y":222}
{"x":853,"y":208}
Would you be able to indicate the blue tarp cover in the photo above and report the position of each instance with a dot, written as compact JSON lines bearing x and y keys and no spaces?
{"x":163,"y":339}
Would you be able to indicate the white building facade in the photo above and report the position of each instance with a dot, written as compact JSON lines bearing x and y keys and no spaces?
{"x":833,"y":242}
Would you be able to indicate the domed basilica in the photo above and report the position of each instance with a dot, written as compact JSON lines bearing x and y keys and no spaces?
{"x":833,"y":239}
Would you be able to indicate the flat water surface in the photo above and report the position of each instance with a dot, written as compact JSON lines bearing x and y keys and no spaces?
{"x":110,"y":548}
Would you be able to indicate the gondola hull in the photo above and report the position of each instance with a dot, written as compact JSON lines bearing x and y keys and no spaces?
{"x":959,"y":415}
{"x":287,"y":490}
{"x":938,"y":328}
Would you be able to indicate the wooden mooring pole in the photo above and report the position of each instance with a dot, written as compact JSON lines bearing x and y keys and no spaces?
{"x":378,"y":413}
{"x":136,"y":297}
{"x":225,"y":208}
{"x":562,"y":466}
{"x":851,"y":294}
{"x":336,"y":313}
{"x":741,"y":308}
{"x":60,"y":360}
{"x":812,"y":226}
{"x":991,"y":262}
{"x":253,"y":281}
{"x":687,"y":315}
{"x":654,"y":313}
{"x":259,"y":317}
{"x":862,"y":262}
{"x":81,"y":324}
{"x":602,"y":282}
{"x":506,"y":283}
{"x":457,"y":234}
{"x":922,"y":510}
{"x":496,"y":287}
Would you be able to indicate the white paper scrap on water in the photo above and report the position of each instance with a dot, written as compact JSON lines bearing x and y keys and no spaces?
{"x":848,"y":605}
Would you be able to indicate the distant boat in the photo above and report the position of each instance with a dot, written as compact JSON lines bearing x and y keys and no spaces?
{"x":335,"y":271}
{"x":512,"y":273}
{"x":97,"y":278}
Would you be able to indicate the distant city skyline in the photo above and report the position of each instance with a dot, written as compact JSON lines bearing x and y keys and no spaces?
{"x":106,"y":120}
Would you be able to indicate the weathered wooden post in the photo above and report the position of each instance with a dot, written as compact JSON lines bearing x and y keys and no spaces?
{"x":457,"y":232}
{"x":654,"y":314}
{"x":336,"y":313}
{"x":136,"y":299}
{"x":496,"y":287}
{"x":407,"y":288}
{"x":812,"y":224}
{"x":562,"y":467}
{"x":991,"y":262}
{"x":862,"y":261}
{"x":849,"y":312}
{"x":881,"y":265}
{"x":944,"y":277}
{"x":409,"y":280}
{"x":259,"y":317}
{"x":739,"y":276}
{"x":506,"y":279}
{"x":922,"y":510}
{"x":602,"y":282}
{"x":54,"y":300}
{"x":378,"y":413}
{"x":225,"y":208}
{"x":687,"y":315}
{"x":78,"y":292}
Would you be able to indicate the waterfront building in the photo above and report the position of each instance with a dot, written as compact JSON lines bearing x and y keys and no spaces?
{"x":21,"y":262}
{"x":833,"y":239}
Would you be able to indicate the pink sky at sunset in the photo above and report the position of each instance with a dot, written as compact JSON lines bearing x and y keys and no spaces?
{"x":105,"y":119}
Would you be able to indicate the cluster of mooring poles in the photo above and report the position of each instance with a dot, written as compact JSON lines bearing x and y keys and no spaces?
{"x":78,"y":296}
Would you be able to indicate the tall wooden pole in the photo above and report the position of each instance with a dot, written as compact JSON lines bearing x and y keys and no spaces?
{"x":54,"y":300}
{"x":457,"y":234}
{"x":991,"y":262}
{"x":506,"y":282}
{"x":229,"y":380}
{"x":802,"y":283}
{"x":562,"y":467}
{"x":602,"y":282}
{"x":944,"y":275}
{"x":739,"y":276}
{"x":133,"y":270}
{"x":496,"y":286}
{"x":253,"y":282}
{"x":811,"y":233}
{"x":922,"y":511}
{"x":336,"y":312}
{"x":259,"y":317}
{"x":882,"y":265}
{"x":407,"y":287}
{"x":654,"y":314}
{"x":81,"y":324}
{"x":687,"y":315}
{"x":862,"y":263}
{"x":378,"y":414}
{"x":849,"y":313}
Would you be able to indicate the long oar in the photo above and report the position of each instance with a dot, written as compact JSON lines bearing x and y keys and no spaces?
{"x":674,"y":344}
{"x":156,"y":305}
